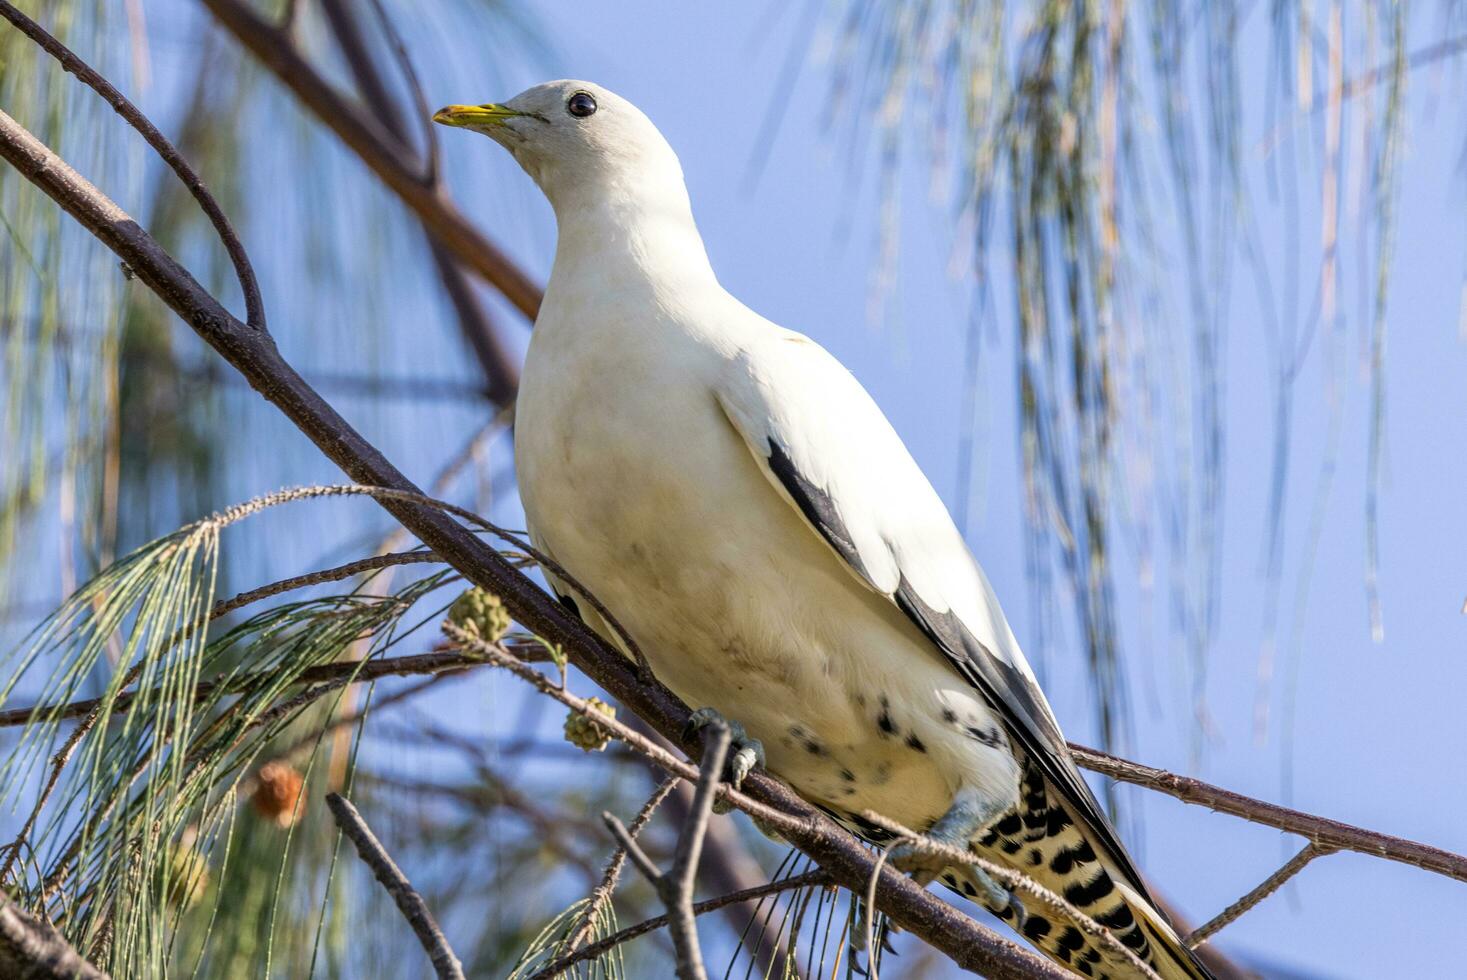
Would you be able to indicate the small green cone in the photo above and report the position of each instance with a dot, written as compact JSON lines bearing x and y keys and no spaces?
{"x":582,"y":732}
{"x":481,"y":614}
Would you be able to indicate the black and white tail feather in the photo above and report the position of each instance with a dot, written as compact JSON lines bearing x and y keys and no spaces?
{"x":1041,"y":840}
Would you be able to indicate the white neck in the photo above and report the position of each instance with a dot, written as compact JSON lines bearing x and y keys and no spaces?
{"x":629,"y":233}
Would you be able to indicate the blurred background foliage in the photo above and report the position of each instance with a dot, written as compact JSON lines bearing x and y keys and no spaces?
{"x":1086,"y":161}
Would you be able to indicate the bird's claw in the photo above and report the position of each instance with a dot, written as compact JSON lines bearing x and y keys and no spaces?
{"x":924,"y":866}
{"x":919,"y":862}
{"x":999,"y":900}
{"x":1021,"y":914}
{"x":744,"y":752}
{"x":749,"y":754}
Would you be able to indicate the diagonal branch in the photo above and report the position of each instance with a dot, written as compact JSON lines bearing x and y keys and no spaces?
{"x":1264,"y":889}
{"x":675,"y":886}
{"x":1320,"y":830}
{"x":33,"y":950}
{"x":254,"y":305}
{"x":612,"y":875}
{"x":413,"y":908}
{"x":253,"y":353}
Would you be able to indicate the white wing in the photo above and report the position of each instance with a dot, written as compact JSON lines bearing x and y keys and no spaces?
{"x":829,"y":450}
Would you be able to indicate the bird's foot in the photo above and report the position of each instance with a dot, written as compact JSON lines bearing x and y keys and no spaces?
{"x":744,"y":753}
{"x":919,"y":861}
{"x":970,"y":812}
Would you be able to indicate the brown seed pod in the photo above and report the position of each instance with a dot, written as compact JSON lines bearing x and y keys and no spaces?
{"x":278,"y":794}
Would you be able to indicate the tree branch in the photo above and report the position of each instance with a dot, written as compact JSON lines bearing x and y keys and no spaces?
{"x":336,"y":574}
{"x":675,"y":887}
{"x":1265,"y":888}
{"x":413,"y":908}
{"x":612,"y":875}
{"x":813,"y":833}
{"x":253,"y":353}
{"x":1320,"y":830}
{"x":728,"y":867}
{"x":353,"y":670}
{"x":33,"y":950}
{"x":1329,"y":834}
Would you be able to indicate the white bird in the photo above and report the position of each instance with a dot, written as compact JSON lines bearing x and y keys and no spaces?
{"x":738,"y":502}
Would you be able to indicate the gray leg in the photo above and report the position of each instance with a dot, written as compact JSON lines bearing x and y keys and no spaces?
{"x":970,"y":813}
{"x":744,"y":753}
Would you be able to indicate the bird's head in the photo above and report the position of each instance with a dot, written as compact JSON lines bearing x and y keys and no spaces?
{"x":575,"y":138}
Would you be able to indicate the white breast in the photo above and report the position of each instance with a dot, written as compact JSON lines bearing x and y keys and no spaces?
{"x":635,"y":481}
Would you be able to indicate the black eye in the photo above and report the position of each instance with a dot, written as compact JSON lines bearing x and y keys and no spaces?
{"x":580,"y":105}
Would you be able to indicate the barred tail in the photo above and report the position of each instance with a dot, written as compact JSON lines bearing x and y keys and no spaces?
{"x":1041,"y":839}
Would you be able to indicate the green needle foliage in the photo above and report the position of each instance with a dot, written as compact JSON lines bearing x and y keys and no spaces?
{"x":553,"y":942}
{"x":144,"y":801}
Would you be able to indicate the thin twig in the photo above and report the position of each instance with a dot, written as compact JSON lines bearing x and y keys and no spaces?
{"x":632,"y":849}
{"x":254,"y":305}
{"x":1265,"y":888}
{"x":418,"y":663}
{"x":603,"y":946}
{"x":336,"y":574}
{"x":868,"y":909}
{"x":727,"y":866}
{"x":1321,"y":830}
{"x":675,"y":886}
{"x":32,"y":949}
{"x":414,"y":909}
{"x":609,"y":878}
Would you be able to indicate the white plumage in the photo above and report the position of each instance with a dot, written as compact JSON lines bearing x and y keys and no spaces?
{"x":736,"y":499}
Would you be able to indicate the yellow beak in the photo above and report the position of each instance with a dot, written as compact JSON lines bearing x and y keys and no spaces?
{"x":475,"y":116}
